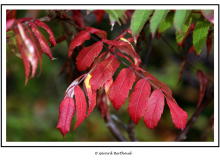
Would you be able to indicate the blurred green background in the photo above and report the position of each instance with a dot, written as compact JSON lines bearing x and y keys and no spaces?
{"x":33,"y":110}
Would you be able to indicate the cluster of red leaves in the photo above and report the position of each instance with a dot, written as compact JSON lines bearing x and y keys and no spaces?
{"x":31,"y":43}
{"x":102,"y":68}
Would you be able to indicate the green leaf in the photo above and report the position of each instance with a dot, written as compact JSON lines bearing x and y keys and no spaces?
{"x":179,"y":19}
{"x":12,"y":43}
{"x":138,"y":20}
{"x":200,"y":34}
{"x":182,"y":36}
{"x":166,"y":23}
{"x":114,"y":16}
{"x":10,"y":33}
{"x":156,"y":19}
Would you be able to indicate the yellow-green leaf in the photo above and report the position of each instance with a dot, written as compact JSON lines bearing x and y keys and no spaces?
{"x":166,"y":23}
{"x":156,"y":19}
{"x":179,"y":19}
{"x":12,"y":43}
{"x":182,"y":36}
{"x":138,"y":20}
{"x":115,"y":15}
{"x":200,"y":34}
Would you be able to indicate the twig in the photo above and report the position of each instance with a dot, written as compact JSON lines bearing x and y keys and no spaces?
{"x":119,"y":122}
{"x":207,"y":98}
{"x":129,"y":128}
{"x":114,"y":130}
{"x":131,"y":131}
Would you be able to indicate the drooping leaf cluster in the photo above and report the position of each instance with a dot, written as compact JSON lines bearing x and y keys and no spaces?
{"x":26,"y":41}
{"x":161,"y":20}
{"x":102,"y":66}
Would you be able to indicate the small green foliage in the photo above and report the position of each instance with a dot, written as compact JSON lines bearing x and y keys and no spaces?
{"x":182,"y":36}
{"x":10,"y":34}
{"x":138,"y":20}
{"x":179,"y":19}
{"x":156,"y":19}
{"x":200,"y":34}
{"x":115,"y":15}
{"x":166,"y":23}
{"x":13,"y":46}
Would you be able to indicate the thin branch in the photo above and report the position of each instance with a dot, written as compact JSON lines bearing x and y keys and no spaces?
{"x":114,"y":130}
{"x":131,"y":131}
{"x":207,"y":98}
{"x":119,"y":122}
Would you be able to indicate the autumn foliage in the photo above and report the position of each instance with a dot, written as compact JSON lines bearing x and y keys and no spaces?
{"x":149,"y":95}
{"x":143,"y":103}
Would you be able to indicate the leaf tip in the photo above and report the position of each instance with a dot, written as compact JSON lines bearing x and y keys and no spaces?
{"x":135,"y":40}
{"x":54,"y":58}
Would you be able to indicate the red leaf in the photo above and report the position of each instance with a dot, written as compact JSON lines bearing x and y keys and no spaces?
{"x":155,"y":83}
{"x":66,"y":112}
{"x":103,"y":56}
{"x":99,"y":15}
{"x":182,"y":66}
{"x":10,"y":14}
{"x":209,"y":43}
{"x":81,"y":106}
{"x":192,"y":49}
{"x":27,"y":48}
{"x":103,"y":72}
{"x":124,"y":33}
{"x":102,"y":101}
{"x":203,"y":81}
{"x":70,"y":90}
{"x":139,"y":100}
{"x":154,"y":109}
{"x":61,"y":39}
{"x":36,"y":45}
{"x":108,"y":85}
{"x":125,"y":47}
{"x":179,"y":116}
{"x":23,"y":56}
{"x":44,"y":26}
{"x":87,"y":55}
{"x":43,"y":43}
{"x":91,"y":96}
{"x":22,"y":20}
{"x":160,"y":84}
{"x":121,"y":55}
{"x":129,"y":13}
{"x":78,"y":40}
{"x":79,"y":20}
{"x":9,"y":24}
{"x":98,"y":32}
{"x":120,"y":88}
